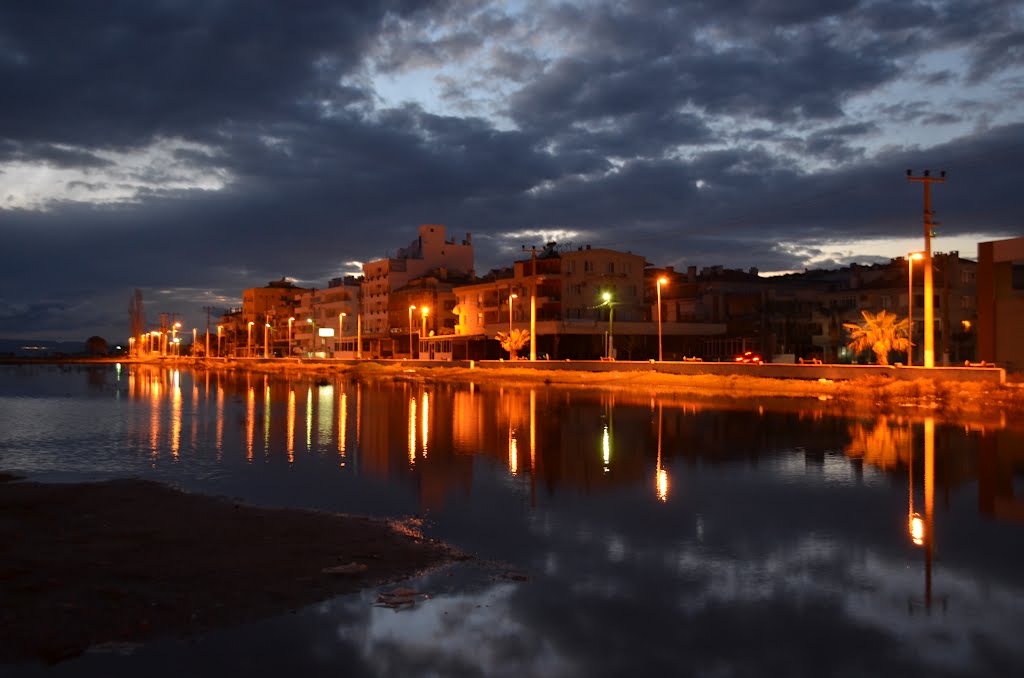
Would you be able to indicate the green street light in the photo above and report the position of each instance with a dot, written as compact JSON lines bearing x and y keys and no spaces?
{"x":610,"y":351}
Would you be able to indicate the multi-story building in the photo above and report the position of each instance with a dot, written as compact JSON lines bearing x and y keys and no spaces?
{"x":1000,"y":299}
{"x":430,"y":255}
{"x":573,"y":318}
{"x":327,"y":320}
{"x":262,"y":307}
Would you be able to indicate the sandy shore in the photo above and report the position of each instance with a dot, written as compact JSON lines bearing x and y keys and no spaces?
{"x":132,"y":560}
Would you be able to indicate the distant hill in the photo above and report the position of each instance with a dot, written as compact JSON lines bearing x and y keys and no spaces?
{"x":40,"y":348}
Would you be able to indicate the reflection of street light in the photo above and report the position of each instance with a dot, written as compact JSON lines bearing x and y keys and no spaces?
{"x":661,"y":281}
{"x":607,"y":296}
{"x":411,"y":309}
{"x":290,"y":321}
{"x":248,"y":340}
{"x":910,"y":303}
{"x":510,"y":298}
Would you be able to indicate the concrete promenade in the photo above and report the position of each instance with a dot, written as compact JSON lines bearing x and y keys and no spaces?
{"x":990,"y":375}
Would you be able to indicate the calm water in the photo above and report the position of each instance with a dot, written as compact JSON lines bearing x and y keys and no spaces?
{"x":656,"y":535}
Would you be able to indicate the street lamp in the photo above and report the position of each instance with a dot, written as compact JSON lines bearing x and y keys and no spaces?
{"x":510,"y":298}
{"x":910,"y":303}
{"x":266,"y":340}
{"x":607,"y":296}
{"x":290,"y":321}
{"x":411,"y":309}
{"x":341,"y":328}
{"x":661,"y":281}
{"x":424,"y":312}
{"x":193,"y":342}
{"x":312,"y":339}
{"x":248,"y":341}
{"x":220,"y":329}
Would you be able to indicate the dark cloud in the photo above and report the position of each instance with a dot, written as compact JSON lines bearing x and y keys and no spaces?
{"x":685,"y":132}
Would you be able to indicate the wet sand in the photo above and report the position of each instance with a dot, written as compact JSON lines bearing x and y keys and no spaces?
{"x":127,"y":561}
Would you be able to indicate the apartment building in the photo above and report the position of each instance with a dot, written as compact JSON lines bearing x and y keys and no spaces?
{"x":430,"y":255}
{"x":326,"y":320}
{"x":1000,"y":302}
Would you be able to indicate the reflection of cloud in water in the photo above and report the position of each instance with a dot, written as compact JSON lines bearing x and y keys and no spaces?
{"x":451,"y":635}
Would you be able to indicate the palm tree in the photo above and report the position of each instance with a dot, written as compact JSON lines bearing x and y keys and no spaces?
{"x":881,"y":332}
{"x":513,"y":341}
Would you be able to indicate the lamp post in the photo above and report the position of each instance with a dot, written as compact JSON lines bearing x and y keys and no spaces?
{"x":910,"y":304}
{"x":411,"y":309}
{"x":424,"y":312}
{"x":290,"y":321}
{"x":174,"y":336}
{"x":929,"y":323}
{"x":341,"y":328}
{"x":193,"y":342}
{"x":510,"y":298}
{"x":266,"y":340}
{"x":607,"y":296}
{"x":312,"y":335}
{"x":248,"y":341}
{"x":220,"y":329}
{"x":661,"y":281}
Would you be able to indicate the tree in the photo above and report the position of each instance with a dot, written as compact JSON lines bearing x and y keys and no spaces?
{"x":882,"y":333}
{"x":96,"y":346}
{"x":513,"y":341}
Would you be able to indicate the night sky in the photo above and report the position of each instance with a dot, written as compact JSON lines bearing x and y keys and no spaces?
{"x":192,"y":149}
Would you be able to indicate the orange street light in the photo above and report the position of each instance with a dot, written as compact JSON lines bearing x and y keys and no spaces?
{"x":661,"y":281}
{"x":607,"y":296}
{"x":248,"y":341}
{"x":193,"y":342}
{"x":220,"y":329}
{"x":411,"y":309}
{"x":510,"y":298}
{"x":266,"y":340}
{"x":290,"y":321}
{"x":424,"y":312}
{"x":913,"y":256}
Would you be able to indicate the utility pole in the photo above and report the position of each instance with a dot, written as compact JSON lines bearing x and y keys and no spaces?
{"x":929,"y":308}
{"x":533,"y":302}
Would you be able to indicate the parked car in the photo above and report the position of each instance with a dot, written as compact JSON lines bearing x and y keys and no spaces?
{"x":749,"y":357}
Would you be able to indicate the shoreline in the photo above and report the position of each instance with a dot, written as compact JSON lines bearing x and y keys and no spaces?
{"x":129,"y":561}
{"x":948,"y":399}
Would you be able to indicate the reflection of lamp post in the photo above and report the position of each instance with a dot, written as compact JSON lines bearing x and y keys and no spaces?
{"x":290,"y":321}
{"x":910,"y":303}
{"x":661,"y":281}
{"x":248,"y":340}
{"x":411,"y":309}
{"x":607,"y":296}
{"x":510,"y":298}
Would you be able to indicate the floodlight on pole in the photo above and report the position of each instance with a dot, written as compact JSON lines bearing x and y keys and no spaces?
{"x":929,"y":314}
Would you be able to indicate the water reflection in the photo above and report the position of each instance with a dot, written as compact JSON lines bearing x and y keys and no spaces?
{"x":707,"y":528}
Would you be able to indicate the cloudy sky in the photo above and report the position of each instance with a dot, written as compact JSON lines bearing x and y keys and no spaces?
{"x":193,"y":148}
